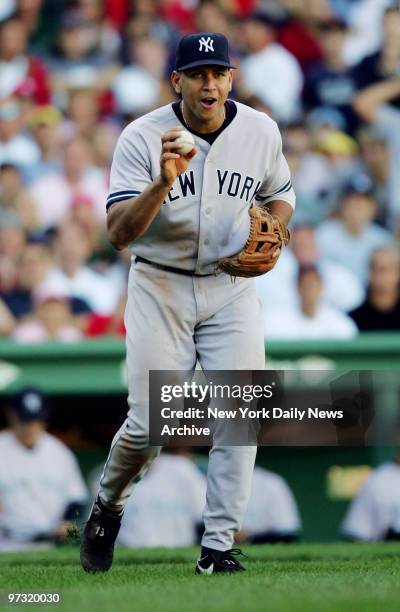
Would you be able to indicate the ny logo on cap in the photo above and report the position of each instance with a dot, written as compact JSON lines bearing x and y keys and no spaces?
{"x":206,"y":44}
{"x":32,"y":402}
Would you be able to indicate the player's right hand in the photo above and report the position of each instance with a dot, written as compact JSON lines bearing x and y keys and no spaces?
{"x":171,"y":163}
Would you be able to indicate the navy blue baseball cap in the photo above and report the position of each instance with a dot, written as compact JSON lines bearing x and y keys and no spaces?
{"x":202,"y":49}
{"x":29,"y":405}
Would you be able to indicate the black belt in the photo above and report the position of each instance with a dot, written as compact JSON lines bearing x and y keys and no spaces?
{"x":139,"y":259}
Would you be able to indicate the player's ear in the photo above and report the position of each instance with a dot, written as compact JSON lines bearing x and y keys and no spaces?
{"x":176,"y":81}
{"x":230,"y":80}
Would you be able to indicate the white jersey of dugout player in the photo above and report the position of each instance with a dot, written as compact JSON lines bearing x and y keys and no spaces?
{"x":377,"y":506}
{"x":205,"y":216}
{"x":167,"y":505}
{"x":272,"y":507}
{"x":36,"y":485}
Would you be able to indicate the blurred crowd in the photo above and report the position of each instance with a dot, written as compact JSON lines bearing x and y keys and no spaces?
{"x":73,"y":73}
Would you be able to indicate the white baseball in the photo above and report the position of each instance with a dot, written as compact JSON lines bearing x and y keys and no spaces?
{"x":187,"y":140}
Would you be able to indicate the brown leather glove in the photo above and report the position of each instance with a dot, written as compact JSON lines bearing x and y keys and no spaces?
{"x":259,"y":255}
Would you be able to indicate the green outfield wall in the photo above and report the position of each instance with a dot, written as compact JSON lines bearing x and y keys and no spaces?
{"x":98,"y":366}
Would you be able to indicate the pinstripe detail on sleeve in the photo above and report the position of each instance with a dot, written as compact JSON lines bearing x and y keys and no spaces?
{"x":117,"y":196}
{"x":286,"y":187}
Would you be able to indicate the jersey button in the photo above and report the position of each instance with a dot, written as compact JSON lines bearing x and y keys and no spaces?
{"x":206,"y":242}
{"x":208,"y":210}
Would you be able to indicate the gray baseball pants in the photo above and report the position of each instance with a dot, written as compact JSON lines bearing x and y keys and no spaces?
{"x":171,"y":321}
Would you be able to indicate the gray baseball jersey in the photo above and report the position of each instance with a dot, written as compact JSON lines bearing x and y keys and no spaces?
{"x":205,"y":216}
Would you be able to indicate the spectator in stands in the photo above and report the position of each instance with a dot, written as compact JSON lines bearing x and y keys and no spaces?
{"x":364,"y":18}
{"x":12,"y":244}
{"x":16,"y":146}
{"x":106,"y":325}
{"x":351,"y":239}
{"x":272,"y":514}
{"x":51,"y":319}
{"x":75,"y":48}
{"x":330,"y":83}
{"x":384,"y":62}
{"x":146,"y":21}
{"x":298,"y":34}
{"x":103,"y":143}
{"x":17,"y":65}
{"x":374,"y":514}
{"x":279,"y":289}
{"x":30,"y":273}
{"x":269,"y":62}
{"x":7,"y":321}
{"x":72,"y":274}
{"x":178,"y":13}
{"x":87,"y":116}
{"x":28,"y":12}
{"x":15,"y":197}
{"x":211,"y":16}
{"x":375,"y":162}
{"x":374,"y":105}
{"x":32,"y":269}
{"x":340,"y":152}
{"x":342,"y":289}
{"x":12,"y":237}
{"x":82,"y":213}
{"x":41,"y":20}
{"x":44,"y":122}
{"x":137,"y":86}
{"x":74,"y":59}
{"x":315,"y":174}
{"x":100,"y":33}
{"x":381,"y":309}
{"x":312,"y":319}
{"x":41,"y":488}
{"x":318,"y":10}
{"x":78,"y":178}
{"x":82,"y":112}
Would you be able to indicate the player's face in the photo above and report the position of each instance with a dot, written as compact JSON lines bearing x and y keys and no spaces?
{"x":204,"y":91}
{"x":27,"y":433}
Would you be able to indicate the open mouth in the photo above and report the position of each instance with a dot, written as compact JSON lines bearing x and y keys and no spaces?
{"x":208,"y":102}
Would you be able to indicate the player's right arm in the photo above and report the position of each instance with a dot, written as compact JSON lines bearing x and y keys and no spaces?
{"x":128,"y":219}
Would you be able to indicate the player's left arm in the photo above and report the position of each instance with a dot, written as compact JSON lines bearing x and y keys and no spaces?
{"x":270,"y":214}
{"x":276,"y":194}
{"x":281,"y":209}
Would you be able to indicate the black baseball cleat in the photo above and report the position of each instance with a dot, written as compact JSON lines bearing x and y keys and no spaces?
{"x":98,"y":538}
{"x":215,"y":561}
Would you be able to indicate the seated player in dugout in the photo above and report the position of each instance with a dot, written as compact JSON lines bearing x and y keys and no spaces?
{"x":193,"y":217}
{"x":42,"y":492}
{"x":374,"y":513}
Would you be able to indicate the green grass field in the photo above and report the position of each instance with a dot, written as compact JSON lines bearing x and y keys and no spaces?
{"x":299,"y":578}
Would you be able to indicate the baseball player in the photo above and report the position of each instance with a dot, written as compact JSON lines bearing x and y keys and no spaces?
{"x":185,"y":217}
{"x":41,"y":487}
